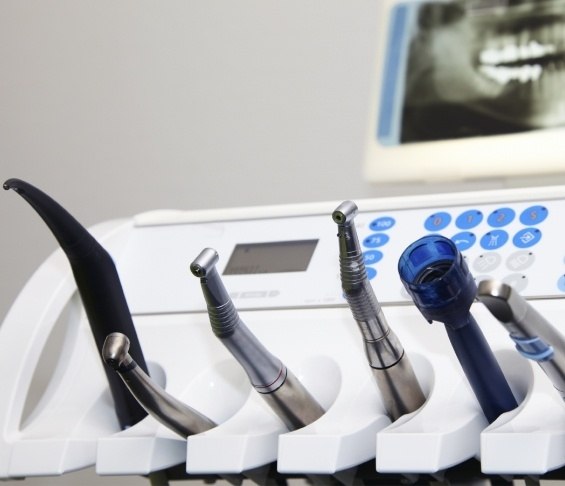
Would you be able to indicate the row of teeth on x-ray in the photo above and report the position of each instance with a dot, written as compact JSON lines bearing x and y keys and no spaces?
{"x":491,"y":60}
{"x":514,"y":53}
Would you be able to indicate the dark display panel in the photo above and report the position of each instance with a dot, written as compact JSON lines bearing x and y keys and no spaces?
{"x":272,"y":257}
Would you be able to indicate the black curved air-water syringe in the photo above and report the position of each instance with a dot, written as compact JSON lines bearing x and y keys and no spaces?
{"x":99,"y":287}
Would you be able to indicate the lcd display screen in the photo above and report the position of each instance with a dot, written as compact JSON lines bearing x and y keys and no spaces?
{"x":271,"y":257}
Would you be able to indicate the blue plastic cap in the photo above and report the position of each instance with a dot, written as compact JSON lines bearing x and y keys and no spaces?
{"x":437,"y":278}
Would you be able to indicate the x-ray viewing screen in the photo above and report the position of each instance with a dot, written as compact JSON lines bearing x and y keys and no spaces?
{"x":272,"y":257}
{"x":467,"y":68}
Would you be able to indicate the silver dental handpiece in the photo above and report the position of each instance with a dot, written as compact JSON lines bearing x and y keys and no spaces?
{"x":284,"y":393}
{"x":172,"y":413}
{"x":391,"y":367}
{"x":535,"y":338}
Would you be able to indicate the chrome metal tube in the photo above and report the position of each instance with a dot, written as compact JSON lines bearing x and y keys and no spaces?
{"x":284,"y":393}
{"x":391,"y":367}
{"x":535,"y":338}
{"x":169,"y":411}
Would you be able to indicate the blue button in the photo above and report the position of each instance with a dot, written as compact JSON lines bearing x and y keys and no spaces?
{"x":561,"y":283}
{"x":375,"y":240}
{"x":382,"y":224}
{"x":527,"y":237}
{"x":494,"y":239}
{"x":469,"y":219}
{"x":371,"y":273}
{"x":437,"y":221}
{"x":464,"y":240}
{"x":533,"y":215}
{"x":501,"y":217}
{"x":372,"y":256}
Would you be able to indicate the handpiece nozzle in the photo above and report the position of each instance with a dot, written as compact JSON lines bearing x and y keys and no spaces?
{"x":115,"y":349}
{"x":345,"y":213}
{"x":12,"y":184}
{"x":503,"y":302}
{"x":204,"y":262}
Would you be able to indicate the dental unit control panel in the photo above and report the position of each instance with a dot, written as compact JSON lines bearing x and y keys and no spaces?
{"x":280,"y":266}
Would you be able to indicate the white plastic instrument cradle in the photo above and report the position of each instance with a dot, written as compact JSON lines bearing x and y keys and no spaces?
{"x":301,"y":316}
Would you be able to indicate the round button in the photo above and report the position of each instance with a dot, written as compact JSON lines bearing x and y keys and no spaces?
{"x":371,"y":273}
{"x":382,"y":224}
{"x":517,"y":281}
{"x":372,"y":256}
{"x":437,"y":221}
{"x":533,"y":215}
{"x":464,"y":240}
{"x":469,"y":219}
{"x":520,"y":260}
{"x":375,"y":240}
{"x":526,"y":237}
{"x":501,"y":217}
{"x":487,"y":262}
{"x":561,"y":283}
{"x":494,"y":239}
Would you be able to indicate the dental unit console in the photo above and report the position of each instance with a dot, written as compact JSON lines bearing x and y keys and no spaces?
{"x":279,"y":299}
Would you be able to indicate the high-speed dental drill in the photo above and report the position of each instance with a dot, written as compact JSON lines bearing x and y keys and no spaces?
{"x":172,"y":413}
{"x":391,"y":368}
{"x":437,"y":278}
{"x":284,"y":393}
{"x":99,"y":287}
{"x":535,"y":338}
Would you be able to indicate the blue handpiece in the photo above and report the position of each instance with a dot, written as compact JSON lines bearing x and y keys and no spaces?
{"x":437,"y":278}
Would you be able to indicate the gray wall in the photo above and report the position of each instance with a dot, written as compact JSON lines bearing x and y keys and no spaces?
{"x":115,"y":108}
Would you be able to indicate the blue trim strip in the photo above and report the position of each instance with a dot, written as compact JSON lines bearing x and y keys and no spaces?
{"x":391,"y":74}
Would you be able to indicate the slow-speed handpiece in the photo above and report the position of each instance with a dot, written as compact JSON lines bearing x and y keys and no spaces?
{"x":391,"y":367}
{"x":284,"y":393}
{"x":535,"y":338}
{"x":99,"y":287}
{"x":437,"y":278}
{"x":172,"y":413}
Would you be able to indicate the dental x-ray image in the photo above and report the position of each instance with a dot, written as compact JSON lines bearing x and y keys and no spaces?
{"x":465,"y":68}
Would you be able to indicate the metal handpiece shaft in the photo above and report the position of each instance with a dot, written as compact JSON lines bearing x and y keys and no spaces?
{"x":391,"y":367}
{"x":534,"y":336}
{"x":172,"y":413}
{"x":99,"y":287}
{"x":286,"y":395}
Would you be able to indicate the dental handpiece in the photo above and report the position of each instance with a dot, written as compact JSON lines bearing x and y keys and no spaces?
{"x":535,"y":338}
{"x":99,"y":287}
{"x":390,"y":365}
{"x":437,"y":278}
{"x":284,"y":393}
{"x":169,"y":411}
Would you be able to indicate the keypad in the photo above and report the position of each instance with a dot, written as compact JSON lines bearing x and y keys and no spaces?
{"x":498,"y":241}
